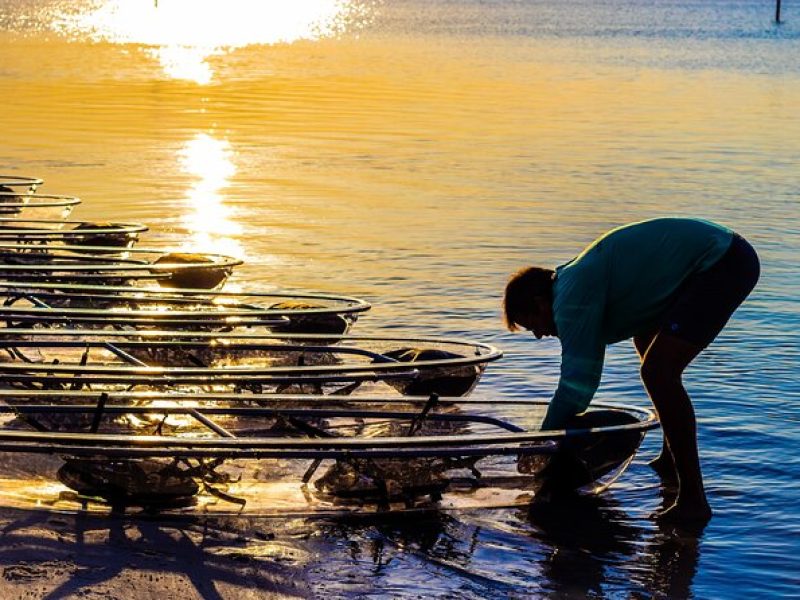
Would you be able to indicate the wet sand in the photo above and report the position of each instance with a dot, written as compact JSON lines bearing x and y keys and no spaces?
{"x":48,"y":555}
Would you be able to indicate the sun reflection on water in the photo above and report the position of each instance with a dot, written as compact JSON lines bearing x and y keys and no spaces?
{"x":209,"y":221}
{"x":183,"y":34}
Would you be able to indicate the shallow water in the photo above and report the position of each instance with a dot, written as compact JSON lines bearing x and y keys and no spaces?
{"x":414,"y":153}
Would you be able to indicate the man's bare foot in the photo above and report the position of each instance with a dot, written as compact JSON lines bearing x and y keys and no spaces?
{"x":665,"y":467}
{"x":684,"y":513}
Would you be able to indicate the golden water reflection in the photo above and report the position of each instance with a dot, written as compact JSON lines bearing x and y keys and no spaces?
{"x":184,"y":34}
{"x":181,"y":62}
{"x":209,"y":219}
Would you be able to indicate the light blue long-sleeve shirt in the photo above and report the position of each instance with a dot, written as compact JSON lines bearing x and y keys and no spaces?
{"x":620,"y":286}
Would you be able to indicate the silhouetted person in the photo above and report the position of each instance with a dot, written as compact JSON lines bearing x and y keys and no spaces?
{"x":671,"y":285}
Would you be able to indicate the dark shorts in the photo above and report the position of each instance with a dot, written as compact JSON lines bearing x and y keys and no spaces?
{"x":707,"y":300}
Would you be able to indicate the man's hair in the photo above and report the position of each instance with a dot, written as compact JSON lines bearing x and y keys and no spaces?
{"x":522,"y":287}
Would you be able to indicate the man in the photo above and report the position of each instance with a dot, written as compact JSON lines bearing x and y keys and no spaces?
{"x":671,"y":285}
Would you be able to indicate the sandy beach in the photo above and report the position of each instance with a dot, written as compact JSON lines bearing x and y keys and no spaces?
{"x":63,"y":556}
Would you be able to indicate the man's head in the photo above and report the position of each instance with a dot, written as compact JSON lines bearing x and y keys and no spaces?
{"x":528,"y":301}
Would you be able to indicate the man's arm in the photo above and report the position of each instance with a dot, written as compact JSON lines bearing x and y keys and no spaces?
{"x":580,"y":377}
{"x":579,"y":325}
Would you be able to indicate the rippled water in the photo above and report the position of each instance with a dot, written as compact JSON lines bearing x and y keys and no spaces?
{"x":414,"y":153}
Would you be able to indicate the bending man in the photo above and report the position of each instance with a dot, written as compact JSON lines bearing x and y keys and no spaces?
{"x":669,"y":284}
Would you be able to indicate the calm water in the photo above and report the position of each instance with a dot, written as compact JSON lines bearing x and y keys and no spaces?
{"x":414,"y":153}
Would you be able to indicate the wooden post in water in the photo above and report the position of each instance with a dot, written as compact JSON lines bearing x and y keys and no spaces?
{"x":777,"y":11}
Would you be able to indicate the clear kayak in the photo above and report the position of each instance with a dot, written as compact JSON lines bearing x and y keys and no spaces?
{"x":113,"y":266}
{"x":76,"y":233}
{"x":27,"y":205}
{"x":301,"y":454}
{"x":12,"y":183}
{"x":26,"y":304}
{"x":255,"y":362}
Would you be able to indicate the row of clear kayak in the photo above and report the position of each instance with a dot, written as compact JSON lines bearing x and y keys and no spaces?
{"x":140,"y":383}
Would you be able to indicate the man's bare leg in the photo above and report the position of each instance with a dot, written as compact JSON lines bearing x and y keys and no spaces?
{"x":662,"y":370}
{"x":663,"y":464}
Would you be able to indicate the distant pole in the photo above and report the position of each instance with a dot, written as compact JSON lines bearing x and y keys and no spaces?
{"x":777,"y":11}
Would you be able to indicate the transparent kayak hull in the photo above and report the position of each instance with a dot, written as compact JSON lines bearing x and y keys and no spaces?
{"x":40,"y":232}
{"x":83,"y":306}
{"x":103,"y":265}
{"x":299,"y":453}
{"x":252,"y":362}
{"x":24,"y":204}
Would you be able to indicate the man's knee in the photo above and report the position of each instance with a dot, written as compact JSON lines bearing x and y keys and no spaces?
{"x":660,"y":373}
{"x":665,"y":361}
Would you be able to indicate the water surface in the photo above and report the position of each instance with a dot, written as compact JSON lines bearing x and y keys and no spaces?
{"x":414,"y":153}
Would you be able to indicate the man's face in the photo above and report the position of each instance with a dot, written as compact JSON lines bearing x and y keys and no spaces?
{"x":539,"y":319}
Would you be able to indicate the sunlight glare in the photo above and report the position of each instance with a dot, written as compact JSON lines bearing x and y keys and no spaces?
{"x":183,"y":34}
{"x":210,"y":160}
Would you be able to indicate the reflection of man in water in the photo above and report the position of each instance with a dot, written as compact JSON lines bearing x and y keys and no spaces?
{"x":670,"y":284}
